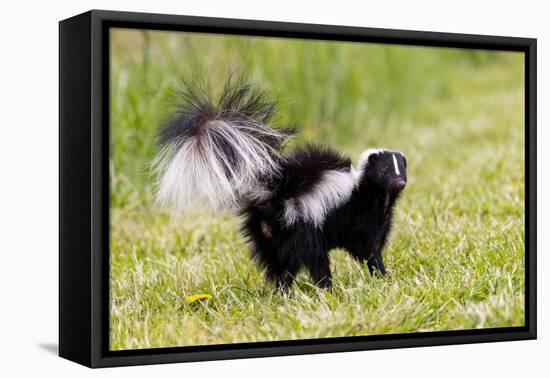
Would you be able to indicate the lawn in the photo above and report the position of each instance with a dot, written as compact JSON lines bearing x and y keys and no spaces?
{"x":455,"y":257}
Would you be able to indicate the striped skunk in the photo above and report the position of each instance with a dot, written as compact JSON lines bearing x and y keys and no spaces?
{"x":221,"y":152}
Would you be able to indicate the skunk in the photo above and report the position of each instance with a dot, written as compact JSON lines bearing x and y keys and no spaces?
{"x":221,"y":152}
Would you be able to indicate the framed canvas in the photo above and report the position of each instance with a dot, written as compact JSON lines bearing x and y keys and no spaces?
{"x":235,"y":188}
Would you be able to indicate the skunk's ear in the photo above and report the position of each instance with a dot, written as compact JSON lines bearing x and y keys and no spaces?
{"x":373,"y":158}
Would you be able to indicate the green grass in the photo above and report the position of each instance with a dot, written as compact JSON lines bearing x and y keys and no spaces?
{"x":456,"y":256}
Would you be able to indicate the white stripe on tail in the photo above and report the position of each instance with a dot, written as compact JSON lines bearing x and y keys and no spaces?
{"x":217,"y":152}
{"x":196,"y":173}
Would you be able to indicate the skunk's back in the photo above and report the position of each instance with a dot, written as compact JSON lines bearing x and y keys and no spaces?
{"x":315,"y":181}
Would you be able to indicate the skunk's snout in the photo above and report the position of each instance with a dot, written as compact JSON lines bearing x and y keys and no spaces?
{"x":400,"y":184}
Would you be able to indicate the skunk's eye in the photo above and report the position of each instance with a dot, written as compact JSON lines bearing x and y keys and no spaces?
{"x":386,"y":172}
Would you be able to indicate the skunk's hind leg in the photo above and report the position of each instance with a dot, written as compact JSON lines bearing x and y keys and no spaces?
{"x":287,"y":264}
{"x":279,"y":269}
{"x":272,"y":254}
{"x":319,"y":269}
{"x":285,"y":278}
{"x":308,"y":245}
{"x":276,"y":270}
{"x":316,"y":259}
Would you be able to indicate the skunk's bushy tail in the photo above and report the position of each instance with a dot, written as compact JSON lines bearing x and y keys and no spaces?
{"x":218,"y":149}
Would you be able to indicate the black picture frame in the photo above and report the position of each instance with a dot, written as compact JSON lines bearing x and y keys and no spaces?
{"x":84,"y":188}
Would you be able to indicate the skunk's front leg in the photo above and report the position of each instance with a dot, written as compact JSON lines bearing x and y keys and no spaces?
{"x":366,"y":252}
{"x":375,"y":262}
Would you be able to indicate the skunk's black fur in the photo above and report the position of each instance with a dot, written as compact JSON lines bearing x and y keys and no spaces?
{"x":238,"y":103}
{"x":295,"y":207}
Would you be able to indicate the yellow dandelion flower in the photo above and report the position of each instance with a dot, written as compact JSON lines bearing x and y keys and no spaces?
{"x":195,"y":297}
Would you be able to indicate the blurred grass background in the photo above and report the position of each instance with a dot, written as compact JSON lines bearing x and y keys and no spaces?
{"x":456,"y":256}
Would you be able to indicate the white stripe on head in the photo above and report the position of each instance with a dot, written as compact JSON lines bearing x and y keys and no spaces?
{"x":334,"y":188}
{"x":395,"y":165}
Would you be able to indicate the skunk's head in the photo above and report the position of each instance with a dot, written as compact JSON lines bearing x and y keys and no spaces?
{"x":385,"y":169}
